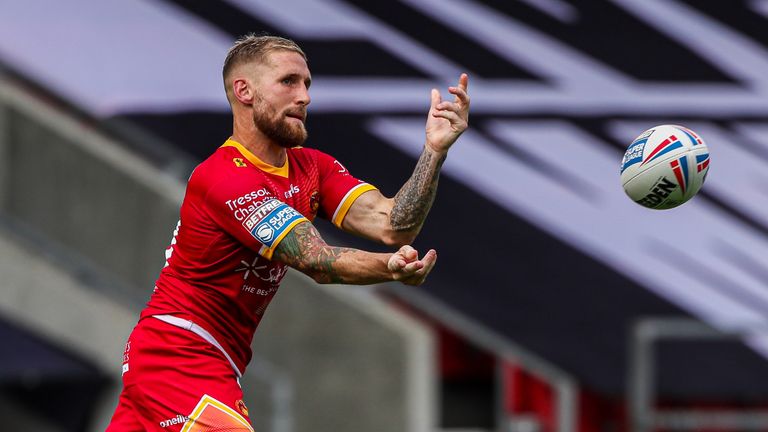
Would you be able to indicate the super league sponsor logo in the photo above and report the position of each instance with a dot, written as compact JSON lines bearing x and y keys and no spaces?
{"x":264,"y":233}
{"x":269,"y":220}
{"x":634,"y":154}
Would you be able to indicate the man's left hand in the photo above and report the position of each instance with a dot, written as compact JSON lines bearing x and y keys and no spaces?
{"x":448,"y":119}
{"x":407,"y":268}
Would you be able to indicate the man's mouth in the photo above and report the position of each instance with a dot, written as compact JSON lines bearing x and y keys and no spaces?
{"x":298,"y":116}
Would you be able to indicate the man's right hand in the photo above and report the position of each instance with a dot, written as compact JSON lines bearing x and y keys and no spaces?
{"x":406,"y":267}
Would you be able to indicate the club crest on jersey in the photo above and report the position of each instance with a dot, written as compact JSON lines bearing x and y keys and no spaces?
{"x":270,"y":221}
{"x":680,"y":168}
{"x":239,"y":162}
{"x":314,"y":202}
{"x":666,"y":146}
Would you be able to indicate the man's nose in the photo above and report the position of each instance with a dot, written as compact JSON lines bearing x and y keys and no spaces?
{"x":303,"y":96}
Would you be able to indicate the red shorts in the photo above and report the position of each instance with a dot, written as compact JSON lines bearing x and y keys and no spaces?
{"x":174,"y":380}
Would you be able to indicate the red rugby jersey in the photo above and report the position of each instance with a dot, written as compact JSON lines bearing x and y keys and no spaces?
{"x":218,"y":272}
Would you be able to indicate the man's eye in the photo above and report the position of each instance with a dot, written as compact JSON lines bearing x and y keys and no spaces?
{"x":287,"y":81}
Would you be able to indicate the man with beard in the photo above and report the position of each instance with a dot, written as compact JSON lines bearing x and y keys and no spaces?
{"x":245,"y":218}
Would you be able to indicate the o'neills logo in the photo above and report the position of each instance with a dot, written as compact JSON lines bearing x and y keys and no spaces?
{"x":179,"y":419}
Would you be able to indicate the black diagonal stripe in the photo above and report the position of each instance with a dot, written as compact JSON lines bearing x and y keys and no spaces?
{"x":739,"y":16}
{"x":610,"y":34}
{"x":443,"y":39}
{"x":362,"y":58}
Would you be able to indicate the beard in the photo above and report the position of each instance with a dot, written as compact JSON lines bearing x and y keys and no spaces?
{"x":277,"y":127}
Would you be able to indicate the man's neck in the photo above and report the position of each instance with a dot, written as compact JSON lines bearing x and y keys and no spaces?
{"x":258,"y":144}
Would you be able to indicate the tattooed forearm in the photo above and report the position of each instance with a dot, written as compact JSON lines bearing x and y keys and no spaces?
{"x":304,"y":250}
{"x":413,"y":201}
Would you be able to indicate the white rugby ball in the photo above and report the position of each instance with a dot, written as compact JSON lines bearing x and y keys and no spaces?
{"x":664,"y":167}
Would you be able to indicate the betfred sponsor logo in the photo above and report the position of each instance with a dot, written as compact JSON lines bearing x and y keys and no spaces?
{"x":658,"y":194}
{"x":179,"y":419}
{"x":260,"y":213}
{"x":269,"y":220}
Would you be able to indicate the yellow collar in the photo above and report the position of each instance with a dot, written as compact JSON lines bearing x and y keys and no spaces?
{"x":282,"y":171}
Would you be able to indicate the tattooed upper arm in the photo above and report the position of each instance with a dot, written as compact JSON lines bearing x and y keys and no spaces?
{"x":304,"y":250}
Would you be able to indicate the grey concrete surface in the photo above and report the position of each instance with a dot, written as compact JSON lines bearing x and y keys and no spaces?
{"x":361,"y":366}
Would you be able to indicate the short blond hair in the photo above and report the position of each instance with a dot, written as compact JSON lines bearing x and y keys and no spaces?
{"x":255,"y":48}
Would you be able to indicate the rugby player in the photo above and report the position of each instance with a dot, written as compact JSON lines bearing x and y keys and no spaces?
{"x":246,"y":217}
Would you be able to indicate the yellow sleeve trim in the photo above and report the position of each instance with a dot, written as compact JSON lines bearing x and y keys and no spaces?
{"x":267,"y":252}
{"x":348,"y":200}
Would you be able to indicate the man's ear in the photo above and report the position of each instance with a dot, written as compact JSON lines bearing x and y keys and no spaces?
{"x":242,"y":90}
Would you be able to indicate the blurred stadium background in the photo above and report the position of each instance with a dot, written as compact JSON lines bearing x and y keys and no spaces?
{"x":557,"y":304}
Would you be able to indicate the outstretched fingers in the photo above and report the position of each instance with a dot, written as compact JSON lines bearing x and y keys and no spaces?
{"x":456,"y":111}
{"x":464,"y":81}
{"x":460,"y":91}
{"x":441,"y":134}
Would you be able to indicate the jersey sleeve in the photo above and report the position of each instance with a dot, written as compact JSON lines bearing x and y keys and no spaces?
{"x":338,"y":188}
{"x":252,"y":215}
